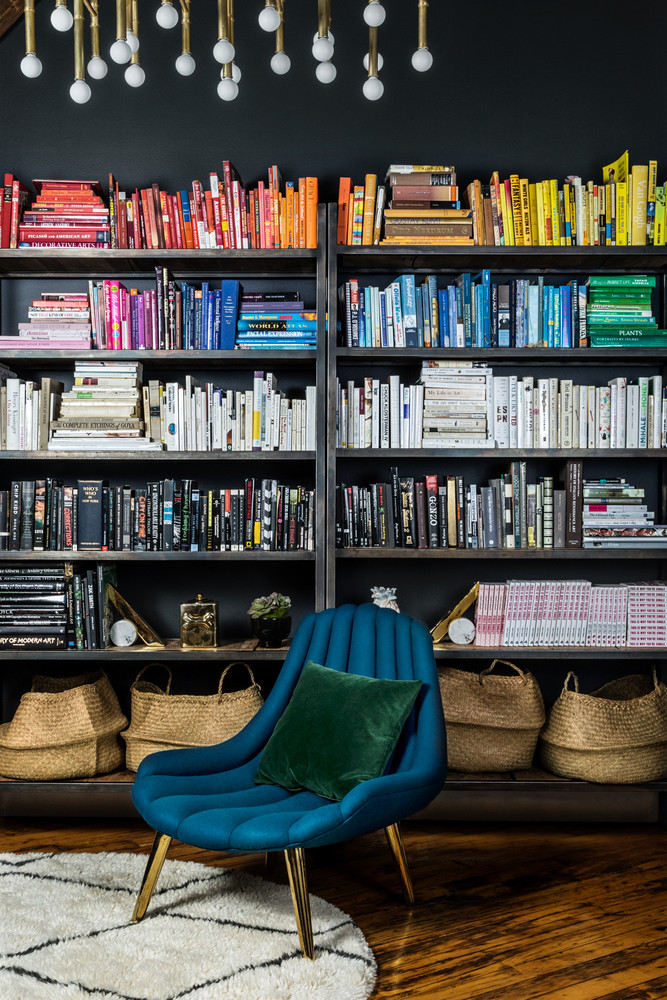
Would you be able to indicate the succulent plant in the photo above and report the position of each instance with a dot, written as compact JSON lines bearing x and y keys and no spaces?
{"x":274,"y":606}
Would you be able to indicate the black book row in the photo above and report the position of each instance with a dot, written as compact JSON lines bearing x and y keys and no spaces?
{"x":55,"y":607}
{"x":166,"y":515}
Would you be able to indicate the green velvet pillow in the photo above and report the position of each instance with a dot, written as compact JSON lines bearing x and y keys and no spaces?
{"x":337,"y":730}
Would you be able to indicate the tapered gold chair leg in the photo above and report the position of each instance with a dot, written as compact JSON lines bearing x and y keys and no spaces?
{"x":152,"y":873}
{"x":295,"y":859}
{"x":396,"y":844}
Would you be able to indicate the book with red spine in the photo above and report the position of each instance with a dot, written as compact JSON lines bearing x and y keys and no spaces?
{"x":65,"y":186}
{"x":149,"y":216}
{"x":237,"y":227}
{"x":261,"y":208}
{"x":245,"y":236}
{"x":175,"y":219}
{"x":136,"y":224}
{"x":20,"y":196}
{"x":157,"y":209}
{"x":210,"y":218}
{"x":257,"y":220}
{"x":122,"y":221}
{"x":215,"y":205}
{"x":63,"y":244}
{"x":344,"y":191}
{"x":311,"y":213}
{"x":166,"y":223}
{"x":268,"y":221}
{"x":198,"y":216}
{"x":229,"y":174}
{"x":224,"y":219}
{"x":73,"y":234}
{"x":193,"y":221}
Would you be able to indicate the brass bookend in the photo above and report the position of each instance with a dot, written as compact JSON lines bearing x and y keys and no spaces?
{"x":144,"y":631}
{"x":439,"y":630}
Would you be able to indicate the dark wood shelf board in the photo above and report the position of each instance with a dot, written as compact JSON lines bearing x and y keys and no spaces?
{"x":489,"y":554}
{"x":551,"y":355}
{"x":44,"y":262}
{"x":508,"y":453}
{"x":447,"y":651}
{"x":231,"y":649}
{"x":195,"y":359}
{"x":158,"y":456}
{"x":125,"y":556}
{"x":535,"y":260}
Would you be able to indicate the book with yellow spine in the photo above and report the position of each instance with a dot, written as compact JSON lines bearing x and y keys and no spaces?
{"x":548,"y":219}
{"x":639,"y":189}
{"x":659,"y":239}
{"x":368,"y":219}
{"x":517,"y":214}
{"x":618,"y":170}
{"x":525,"y":213}
{"x":573,"y":214}
{"x":650,"y":201}
{"x":567,"y":231}
{"x":621,"y":213}
{"x":555,"y":215}
{"x":534,"y":222}
{"x":539,"y":204}
{"x":506,"y":211}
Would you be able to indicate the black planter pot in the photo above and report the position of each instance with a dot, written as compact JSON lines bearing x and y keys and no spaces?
{"x":270,"y":632}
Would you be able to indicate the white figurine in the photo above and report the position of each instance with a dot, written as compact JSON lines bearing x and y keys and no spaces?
{"x":385,"y":597}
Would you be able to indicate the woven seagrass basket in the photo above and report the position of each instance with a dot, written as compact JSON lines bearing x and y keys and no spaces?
{"x":160,"y":720}
{"x":492,"y":720}
{"x":64,"y":727}
{"x":616,"y":735}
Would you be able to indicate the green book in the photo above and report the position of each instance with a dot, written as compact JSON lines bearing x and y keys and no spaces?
{"x":629,"y":342}
{"x":624,"y":280}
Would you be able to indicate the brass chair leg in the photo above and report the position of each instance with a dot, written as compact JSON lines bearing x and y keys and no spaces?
{"x":295,"y":860}
{"x":397,"y":849}
{"x":151,"y":875}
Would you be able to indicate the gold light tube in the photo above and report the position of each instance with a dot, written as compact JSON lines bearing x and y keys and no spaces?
{"x":322,"y":18}
{"x":229,"y":15}
{"x":223,"y":28}
{"x":133,"y":9}
{"x":422,"y":9}
{"x":79,"y":61}
{"x":121,"y":20}
{"x":372,"y":51}
{"x":185,"y":26}
{"x":29,"y":14}
{"x":94,"y":11}
{"x":280,"y":30}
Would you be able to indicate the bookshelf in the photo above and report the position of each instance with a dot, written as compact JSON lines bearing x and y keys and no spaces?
{"x":156,"y":582}
{"x":431,"y":581}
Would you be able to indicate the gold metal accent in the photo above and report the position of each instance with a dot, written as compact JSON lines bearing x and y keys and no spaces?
{"x":151,"y":875}
{"x":322,"y":18}
{"x":29,"y":14}
{"x":199,"y":623}
{"x":295,"y":860}
{"x":133,"y":11}
{"x":395,"y":842}
{"x":185,"y":27}
{"x":439,"y":630}
{"x":79,"y":60}
{"x":229,"y":14}
{"x":121,"y":20}
{"x":61,"y":3}
{"x":144,"y":631}
{"x":373,"y":51}
{"x":93,"y":7}
{"x":422,"y":8}
{"x":280,"y":30}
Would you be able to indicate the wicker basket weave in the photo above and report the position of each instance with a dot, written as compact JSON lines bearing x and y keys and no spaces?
{"x":64,"y":727}
{"x":492,"y":720}
{"x":160,"y":720}
{"x":616,"y":735}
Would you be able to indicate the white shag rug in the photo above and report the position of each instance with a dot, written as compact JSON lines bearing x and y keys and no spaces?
{"x":208,"y":934}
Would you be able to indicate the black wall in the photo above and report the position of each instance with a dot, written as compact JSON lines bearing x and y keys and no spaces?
{"x":543,"y":90}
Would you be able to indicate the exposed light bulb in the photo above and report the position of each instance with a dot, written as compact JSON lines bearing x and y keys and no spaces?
{"x":325,"y":72}
{"x":80,"y":92}
{"x":422,"y":60}
{"x":61,"y":18}
{"x":134,"y":75}
{"x":97,"y":68}
{"x":228,"y":89}
{"x":120,"y":51}
{"x":328,"y":35}
{"x":185,"y":64}
{"x":280,"y":63}
{"x":166,"y":15}
{"x":373,"y":88}
{"x":380,"y":62}
{"x":223,"y":51}
{"x":132,"y":41}
{"x":374,"y":14}
{"x":269,"y":18}
{"x":31,"y":66}
{"x":236,"y":73}
{"x":323,"y":49}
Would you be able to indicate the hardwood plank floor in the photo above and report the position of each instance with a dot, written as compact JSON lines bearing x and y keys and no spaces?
{"x":504,"y":912}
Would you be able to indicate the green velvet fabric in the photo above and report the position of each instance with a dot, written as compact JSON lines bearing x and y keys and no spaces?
{"x":338,"y":730}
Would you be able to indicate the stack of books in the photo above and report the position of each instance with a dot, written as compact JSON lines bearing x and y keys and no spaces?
{"x":458,"y":405}
{"x":57,"y":320}
{"x":33,"y":607}
{"x":423,"y":207}
{"x":266,"y":321}
{"x":26,"y":412}
{"x":647,"y":614}
{"x":103,"y":410}
{"x":615,"y":516}
{"x":619,"y":311}
{"x":67,"y":213}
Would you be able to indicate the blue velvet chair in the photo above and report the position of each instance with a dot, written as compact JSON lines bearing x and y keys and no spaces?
{"x":206,"y":796}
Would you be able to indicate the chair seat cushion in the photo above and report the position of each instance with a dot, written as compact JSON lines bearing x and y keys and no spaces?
{"x":337,"y":730}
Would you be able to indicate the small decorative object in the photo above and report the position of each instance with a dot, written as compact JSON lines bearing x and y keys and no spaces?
{"x":270,"y":621}
{"x":441,"y":628}
{"x":123,"y":633}
{"x":199,"y":620}
{"x":385,"y":597}
{"x":461,"y":631}
{"x":148,"y":635}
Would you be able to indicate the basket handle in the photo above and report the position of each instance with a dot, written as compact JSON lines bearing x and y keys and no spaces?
{"x":224,"y":673}
{"x":567,"y":681}
{"x":148,"y":665}
{"x":656,"y":682}
{"x":487,"y":670}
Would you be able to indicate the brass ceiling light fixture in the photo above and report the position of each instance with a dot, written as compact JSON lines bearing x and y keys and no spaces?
{"x":223,"y":50}
{"x":97,"y":67}
{"x":422,"y":60}
{"x":269,"y":16}
{"x":120,"y":51}
{"x":166,"y":15}
{"x":280,"y":61}
{"x":185,"y":64}
{"x":228,"y":88}
{"x":79,"y":91}
{"x":61,"y":16}
{"x":31,"y":65}
{"x":323,"y":44}
{"x":134,"y":74}
{"x":373,"y":87}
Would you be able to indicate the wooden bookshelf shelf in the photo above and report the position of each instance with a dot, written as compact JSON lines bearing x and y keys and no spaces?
{"x":178,"y":359}
{"x":529,"y":555}
{"x":447,"y":651}
{"x":220,"y":457}
{"x":498,"y":355}
{"x":228,"y":649}
{"x":139,"y":557}
{"x":657,"y":454}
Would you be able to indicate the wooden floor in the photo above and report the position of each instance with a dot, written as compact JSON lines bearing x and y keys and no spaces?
{"x":504,"y":912}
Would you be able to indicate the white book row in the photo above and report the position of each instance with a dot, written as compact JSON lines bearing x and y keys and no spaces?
{"x":569,"y":613}
{"x":205,"y":418}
